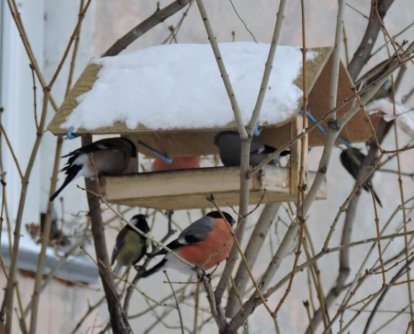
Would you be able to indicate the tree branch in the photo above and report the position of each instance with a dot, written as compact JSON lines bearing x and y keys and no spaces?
{"x":251,"y":253}
{"x":363,"y":53}
{"x":118,"y":317}
{"x":159,"y":16}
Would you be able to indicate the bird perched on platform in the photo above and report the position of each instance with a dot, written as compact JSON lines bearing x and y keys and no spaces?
{"x":352,"y":159}
{"x":229,"y":144}
{"x":130,"y":246}
{"x":205,"y":243}
{"x":110,"y":157}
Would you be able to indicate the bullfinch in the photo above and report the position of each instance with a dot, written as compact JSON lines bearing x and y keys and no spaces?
{"x":130,"y":246}
{"x":229,"y":145}
{"x":208,"y":239}
{"x":110,"y":157}
{"x":351,"y":159}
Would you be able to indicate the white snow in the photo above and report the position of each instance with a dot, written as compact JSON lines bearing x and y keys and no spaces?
{"x":404,"y":115}
{"x":179,"y":86}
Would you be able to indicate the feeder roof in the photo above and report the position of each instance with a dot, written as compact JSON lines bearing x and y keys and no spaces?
{"x":177,"y":90}
{"x":179,"y":87}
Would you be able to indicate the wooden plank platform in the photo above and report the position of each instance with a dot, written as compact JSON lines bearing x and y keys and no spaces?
{"x":188,"y":189}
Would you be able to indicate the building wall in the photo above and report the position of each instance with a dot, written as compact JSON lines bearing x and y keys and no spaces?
{"x":105,"y":22}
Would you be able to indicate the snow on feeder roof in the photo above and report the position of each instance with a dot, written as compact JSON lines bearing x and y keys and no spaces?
{"x":175,"y":93}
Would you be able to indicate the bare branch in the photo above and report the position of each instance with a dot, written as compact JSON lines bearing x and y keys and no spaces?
{"x":159,"y":16}
{"x":362,"y":54}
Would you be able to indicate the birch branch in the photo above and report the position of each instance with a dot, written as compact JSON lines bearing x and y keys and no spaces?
{"x":351,"y":211}
{"x":268,"y":68}
{"x":245,"y":157}
{"x":251,"y":253}
{"x":53,"y":184}
{"x":287,"y":241}
{"x":159,"y":16}
{"x":226,"y":80}
{"x":362,"y":54}
{"x":119,"y":322}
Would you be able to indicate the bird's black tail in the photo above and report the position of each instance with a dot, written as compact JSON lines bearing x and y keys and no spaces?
{"x":71,"y":173}
{"x":377,"y":199}
{"x":154,"y":269}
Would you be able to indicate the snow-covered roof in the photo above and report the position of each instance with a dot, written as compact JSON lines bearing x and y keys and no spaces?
{"x":179,"y":87}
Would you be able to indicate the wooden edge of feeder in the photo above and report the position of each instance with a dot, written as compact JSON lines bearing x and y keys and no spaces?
{"x":186,"y":189}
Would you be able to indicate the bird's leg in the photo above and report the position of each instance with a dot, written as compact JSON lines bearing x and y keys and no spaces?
{"x":202,"y":275}
{"x":169,"y":215}
{"x":139,"y":268}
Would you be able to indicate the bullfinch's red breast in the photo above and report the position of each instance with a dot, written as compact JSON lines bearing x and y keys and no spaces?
{"x":177,"y":163}
{"x":205,"y":243}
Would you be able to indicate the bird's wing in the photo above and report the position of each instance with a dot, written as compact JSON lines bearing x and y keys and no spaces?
{"x":100,"y":145}
{"x":196,"y":233}
{"x":120,"y":241}
{"x":352,"y":163}
{"x":257,"y":148}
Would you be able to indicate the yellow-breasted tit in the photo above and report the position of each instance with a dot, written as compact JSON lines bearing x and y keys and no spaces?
{"x":352,"y":159}
{"x":229,"y":145}
{"x":131,"y":246}
{"x":110,"y":157}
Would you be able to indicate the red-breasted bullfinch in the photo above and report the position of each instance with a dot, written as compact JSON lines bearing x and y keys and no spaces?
{"x":207,"y":241}
{"x":130,"y":246}
{"x":110,"y":157}
{"x":177,"y":163}
{"x":351,"y":159}
{"x":229,"y":145}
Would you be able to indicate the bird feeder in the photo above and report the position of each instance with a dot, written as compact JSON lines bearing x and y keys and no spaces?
{"x":171,"y":98}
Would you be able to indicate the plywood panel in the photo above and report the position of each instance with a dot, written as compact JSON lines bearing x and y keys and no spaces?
{"x":357,"y":129}
{"x":186,"y":189}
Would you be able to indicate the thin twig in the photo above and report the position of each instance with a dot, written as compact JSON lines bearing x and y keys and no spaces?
{"x":176,"y":303}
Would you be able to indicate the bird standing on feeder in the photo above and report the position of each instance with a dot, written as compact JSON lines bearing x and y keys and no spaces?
{"x":352,"y":159}
{"x":130,"y":246}
{"x":205,"y":243}
{"x":110,"y":157}
{"x":229,"y":144}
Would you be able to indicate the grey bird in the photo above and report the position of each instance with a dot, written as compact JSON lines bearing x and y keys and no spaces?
{"x":351,"y":159}
{"x":229,"y":145}
{"x":110,"y":157}
{"x":131,"y":246}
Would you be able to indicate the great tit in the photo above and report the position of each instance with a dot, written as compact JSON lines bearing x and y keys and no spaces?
{"x":130,"y":246}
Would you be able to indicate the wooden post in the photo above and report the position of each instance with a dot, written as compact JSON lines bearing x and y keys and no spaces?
{"x":119,"y":322}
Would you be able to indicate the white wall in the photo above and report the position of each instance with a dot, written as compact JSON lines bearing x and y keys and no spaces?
{"x":105,"y":22}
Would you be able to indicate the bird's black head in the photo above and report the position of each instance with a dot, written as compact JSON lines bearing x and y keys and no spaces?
{"x":140,"y":223}
{"x":216,"y":214}
{"x":132,"y":145}
{"x":222,"y":134}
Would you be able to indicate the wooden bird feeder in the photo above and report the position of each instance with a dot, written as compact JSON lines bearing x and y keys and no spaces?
{"x":185,"y":189}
